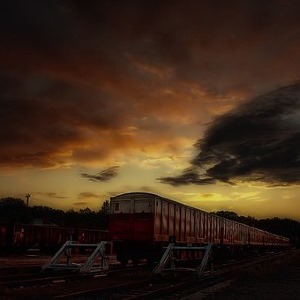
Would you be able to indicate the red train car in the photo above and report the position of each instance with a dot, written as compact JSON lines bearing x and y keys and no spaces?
{"x":45,"y":237}
{"x":91,"y":236}
{"x":141,"y":224}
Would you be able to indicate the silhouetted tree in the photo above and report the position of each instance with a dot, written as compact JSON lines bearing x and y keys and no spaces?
{"x":14,"y":210}
{"x":227,"y":214}
{"x":105,"y":208}
{"x":12,"y":202}
{"x":85,"y":211}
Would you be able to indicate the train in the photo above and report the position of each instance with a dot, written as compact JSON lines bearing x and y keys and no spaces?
{"x":46,"y":238}
{"x":142,"y":224}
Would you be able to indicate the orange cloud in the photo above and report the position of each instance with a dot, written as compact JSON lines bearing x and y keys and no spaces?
{"x":86,"y":83}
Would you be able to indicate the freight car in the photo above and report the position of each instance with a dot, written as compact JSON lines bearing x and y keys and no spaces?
{"x":47,"y":238}
{"x":141,"y":224}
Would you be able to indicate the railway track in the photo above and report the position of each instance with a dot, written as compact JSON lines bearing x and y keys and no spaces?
{"x":170,"y":286}
{"x":143,"y":289}
{"x":38,"y":278}
{"x":130,"y":283}
{"x":33,"y":280}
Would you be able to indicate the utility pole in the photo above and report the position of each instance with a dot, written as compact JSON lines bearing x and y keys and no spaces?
{"x":27,"y":199}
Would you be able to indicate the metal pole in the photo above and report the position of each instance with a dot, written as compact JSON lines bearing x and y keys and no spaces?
{"x":27,"y":199}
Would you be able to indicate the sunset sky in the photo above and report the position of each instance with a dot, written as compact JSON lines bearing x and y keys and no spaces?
{"x":197,"y":101}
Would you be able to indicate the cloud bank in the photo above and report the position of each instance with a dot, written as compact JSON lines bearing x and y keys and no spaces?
{"x":257,"y":142}
{"x":81,"y":83}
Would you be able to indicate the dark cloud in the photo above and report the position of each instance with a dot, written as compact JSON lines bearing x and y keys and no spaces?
{"x":104,"y":175}
{"x":188,"y":176}
{"x":92,"y":42}
{"x":78,"y":80}
{"x":259,"y":141}
{"x":44,"y":121}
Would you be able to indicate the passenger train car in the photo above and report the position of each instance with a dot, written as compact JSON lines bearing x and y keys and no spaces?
{"x":141,"y":224}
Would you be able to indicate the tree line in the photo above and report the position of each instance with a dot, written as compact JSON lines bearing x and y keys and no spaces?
{"x":14,"y":210}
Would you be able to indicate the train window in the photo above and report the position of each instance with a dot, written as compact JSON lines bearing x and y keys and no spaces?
{"x":142,"y":206}
{"x":117,"y":206}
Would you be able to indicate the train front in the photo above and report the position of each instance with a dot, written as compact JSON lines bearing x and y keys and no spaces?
{"x":131,"y":226}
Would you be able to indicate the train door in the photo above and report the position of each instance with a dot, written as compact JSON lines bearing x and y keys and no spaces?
{"x":142,"y":218}
{"x":213,"y":228}
{"x":248,"y":236}
{"x":226,"y":230}
{"x":204,"y":226}
{"x":187,"y":224}
{"x":120,"y":225}
{"x":245,"y":234}
{"x":217,"y":230}
{"x":242,"y":228}
{"x":171,"y":219}
{"x":192,"y":232}
{"x":235,"y":228}
{"x":165,"y":219}
{"x":208,"y":228}
{"x":242,"y":233}
{"x":157,"y":222}
{"x":231,"y":232}
{"x":197,"y":226}
{"x":177,"y":222}
{"x":222,"y":231}
{"x":182,"y":224}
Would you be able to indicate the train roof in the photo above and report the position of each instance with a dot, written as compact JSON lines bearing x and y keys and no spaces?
{"x":158,"y":196}
{"x":173,"y":201}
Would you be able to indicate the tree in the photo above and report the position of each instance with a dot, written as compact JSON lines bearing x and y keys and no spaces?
{"x":227,"y":215}
{"x":12,"y":202}
{"x":14,"y":210}
{"x":86,"y":210}
{"x":105,"y":208}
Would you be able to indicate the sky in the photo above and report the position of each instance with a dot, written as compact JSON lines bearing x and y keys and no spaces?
{"x":197,"y":101}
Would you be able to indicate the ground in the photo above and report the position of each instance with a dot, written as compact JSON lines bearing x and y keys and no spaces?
{"x":280,"y":280}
